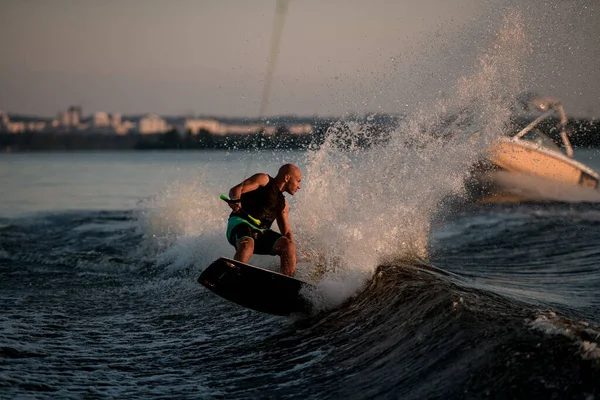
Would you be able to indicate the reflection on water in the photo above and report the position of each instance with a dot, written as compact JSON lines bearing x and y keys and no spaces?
{"x":34,"y":182}
{"x":117,"y":180}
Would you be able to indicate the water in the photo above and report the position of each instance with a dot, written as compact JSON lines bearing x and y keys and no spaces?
{"x":103,"y":302}
{"x":423,"y":295}
{"x":109,"y":180}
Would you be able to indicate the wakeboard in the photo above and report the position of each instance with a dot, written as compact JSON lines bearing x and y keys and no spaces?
{"x":256,"y":288}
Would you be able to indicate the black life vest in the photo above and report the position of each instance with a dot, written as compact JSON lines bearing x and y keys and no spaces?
{"x":265,"y":203}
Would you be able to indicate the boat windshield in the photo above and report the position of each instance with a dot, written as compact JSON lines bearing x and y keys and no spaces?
{"x":537,"y":137}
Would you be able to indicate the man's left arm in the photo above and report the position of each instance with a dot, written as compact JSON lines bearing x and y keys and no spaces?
{"x":284,"y":224}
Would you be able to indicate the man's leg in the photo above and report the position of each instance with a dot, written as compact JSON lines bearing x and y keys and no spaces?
{"x":244,"y":249}
{"x":286,"y":250}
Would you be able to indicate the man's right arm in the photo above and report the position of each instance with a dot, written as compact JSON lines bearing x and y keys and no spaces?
{"x":248,"y":185}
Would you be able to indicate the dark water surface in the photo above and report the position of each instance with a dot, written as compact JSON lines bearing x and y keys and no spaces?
{"x":103,"y":302}
{"x":513,"y":314}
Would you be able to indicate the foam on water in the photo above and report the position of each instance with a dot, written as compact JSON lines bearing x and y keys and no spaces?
{"x":183,"y":226}
{"x":582,"y":333}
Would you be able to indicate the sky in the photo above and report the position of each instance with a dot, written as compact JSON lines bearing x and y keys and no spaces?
{"x":204,"y":57}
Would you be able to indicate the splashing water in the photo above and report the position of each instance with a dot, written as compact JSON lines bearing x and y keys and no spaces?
{"x":361,"y":208}
{"x":183,"y":225}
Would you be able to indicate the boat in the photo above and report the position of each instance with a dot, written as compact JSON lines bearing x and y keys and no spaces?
{"x":531,"y":158}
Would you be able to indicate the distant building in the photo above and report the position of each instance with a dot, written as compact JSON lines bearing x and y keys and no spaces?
{"x":124,"y":127}
{"x":243,"y":129}
{"x":115,"y":120}
{"x":6,"y":125}
{"x":3,"y":120}
{"x":152,"y":123}
{"x":196,"y":125}
{"x":303,"y":129}
{"x":35,"y":126}
{"x":270,"y":130}
{"x":64,"y":119}
{"x":101,"y":120}
{"x":15,"y":127}
{"x":218,"y":128}
{"x":75,"y":115}
{"x":71,"y":118}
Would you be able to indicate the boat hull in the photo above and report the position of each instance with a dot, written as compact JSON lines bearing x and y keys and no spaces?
{"x":526,"y":158}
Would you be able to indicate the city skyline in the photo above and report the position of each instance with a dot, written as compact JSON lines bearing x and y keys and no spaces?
{"x":335,"y":57}
{"x":74,"y":120}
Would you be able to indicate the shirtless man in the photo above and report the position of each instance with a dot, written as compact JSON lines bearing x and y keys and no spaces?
{"x":261,"y":197}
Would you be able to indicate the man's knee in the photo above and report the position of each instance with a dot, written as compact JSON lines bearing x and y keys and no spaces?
{"x":285,"y":246}
{"x":245,"y":243}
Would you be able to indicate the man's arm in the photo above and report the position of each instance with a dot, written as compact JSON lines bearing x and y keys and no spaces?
{"x":284,"y":224}
{"x":248,"y":185}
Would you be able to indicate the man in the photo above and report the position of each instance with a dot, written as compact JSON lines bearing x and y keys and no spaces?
{"x":261,"y":197}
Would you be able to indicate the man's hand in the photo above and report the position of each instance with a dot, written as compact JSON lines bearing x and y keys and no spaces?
{"x":235,"y":206}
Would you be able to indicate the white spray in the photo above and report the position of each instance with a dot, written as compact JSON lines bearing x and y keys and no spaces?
{"x":361,"y":208}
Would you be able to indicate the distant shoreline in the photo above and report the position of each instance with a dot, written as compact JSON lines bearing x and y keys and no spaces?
{"x":171,"y":140}
{"x":587,"y":135}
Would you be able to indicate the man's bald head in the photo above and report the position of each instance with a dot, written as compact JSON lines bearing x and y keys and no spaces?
{"x":290,"y":177}
{"x":288,"y":169}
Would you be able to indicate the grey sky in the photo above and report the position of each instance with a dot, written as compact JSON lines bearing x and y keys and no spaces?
{"x":210,"y":57}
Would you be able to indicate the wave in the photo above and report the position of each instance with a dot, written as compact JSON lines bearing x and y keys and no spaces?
{"x":413,"y":329}
{"x":417,"y":334}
